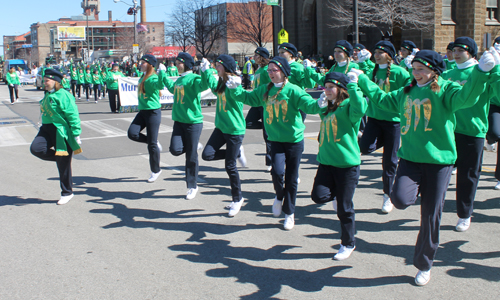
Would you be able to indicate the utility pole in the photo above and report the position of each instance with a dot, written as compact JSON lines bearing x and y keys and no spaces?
{"x":355,"y":21}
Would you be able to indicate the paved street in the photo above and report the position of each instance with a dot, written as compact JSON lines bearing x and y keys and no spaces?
{"x":123,"y":238}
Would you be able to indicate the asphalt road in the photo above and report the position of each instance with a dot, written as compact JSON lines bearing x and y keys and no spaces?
{"x":123,"y":238}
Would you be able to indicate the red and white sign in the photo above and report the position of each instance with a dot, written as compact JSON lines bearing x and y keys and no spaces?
{"x":170,"y":51}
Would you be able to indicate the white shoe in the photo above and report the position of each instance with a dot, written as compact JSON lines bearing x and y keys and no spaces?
{"x":154,"y":176}
{"x":497,"y":187}
{"x":277,"y":206}
{"x":289,"y":222}
{"x":463,"y":224}
{"x":64,"y":199}
{"x":422,"y":277}
{"x":454,"y":172}
{"x":269,"y":168}
{"x":334,"y":202}
{"x":96,"y":102}
{"x":159,"y":146}
{"x":387,"y":206}
{"x":235,"y":207}
{"x":200,"y":146}
{"x":79,"y":98}
{"x":490,"y":147}
{"x":191,"y":193}
{"x":242,"y":159}
{"x":100,"y":98}
{"x":344,"y":252}
{"x":298,"y":180}
{"x":12,"y":103}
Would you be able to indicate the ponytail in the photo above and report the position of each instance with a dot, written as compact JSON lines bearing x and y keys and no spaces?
{"x":347,"y":65}
{"x":221,"y":85}
{"x":387,"y":80}
{"x":408,"y":87}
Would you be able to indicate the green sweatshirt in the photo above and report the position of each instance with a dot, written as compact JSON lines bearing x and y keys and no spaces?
{"x":66,"y":84}
{"x":96,"y":79}
{"x":261,"y":77}
{"x":112,"y":80}
{"x":81,"y":78}
{"x":172,"y":71}
{"x":59,"y":108}
{"x":427,"y":118}
{"x":399,"y":78}
{"x":338,"y":140}
{"x":366,"y":66}
{"x":137,"y":72}
{"x":73,"y":73}
{"x":88,"y":78}
{"x":187,"y":97}
{"x":152,"y":86}
{"x":311,"y":74}
{"x":298,"y":76}
{"x":450,"y":64}
{"x":12,"y":78}
{"x":229,"y":114}
{"x":472,"y":121}
{"x":282,"y":118}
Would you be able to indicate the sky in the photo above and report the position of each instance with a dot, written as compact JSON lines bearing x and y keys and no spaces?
{"x":18,"y":16}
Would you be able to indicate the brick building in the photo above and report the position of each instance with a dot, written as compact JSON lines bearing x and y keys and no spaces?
{"x":307,"y":22}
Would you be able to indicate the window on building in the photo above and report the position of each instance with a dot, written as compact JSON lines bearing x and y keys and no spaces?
{"x":109,"y":29}
{"x":153,"y":29}
{"x":154,"y":39}
{"x":448,"y":12}
{"x":492,"y":11}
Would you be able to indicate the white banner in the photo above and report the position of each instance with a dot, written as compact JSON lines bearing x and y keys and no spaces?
{"x":127,"y":88}
{"x":27,"y":78}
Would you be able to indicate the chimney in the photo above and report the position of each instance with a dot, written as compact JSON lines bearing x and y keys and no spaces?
{"x":110,"y":16}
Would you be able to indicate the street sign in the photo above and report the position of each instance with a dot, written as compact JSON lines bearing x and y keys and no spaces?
{"x":135,"y":48}
{"x":63,"y":54}
{"x":27,"y":46}
{"x":282,"y":36}
{"x":273,"y":2}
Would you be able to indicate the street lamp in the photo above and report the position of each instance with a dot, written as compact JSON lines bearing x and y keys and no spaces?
{"x":135,"y":8}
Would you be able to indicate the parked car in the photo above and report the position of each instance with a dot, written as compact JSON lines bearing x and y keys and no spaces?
{"x":39,"y":79}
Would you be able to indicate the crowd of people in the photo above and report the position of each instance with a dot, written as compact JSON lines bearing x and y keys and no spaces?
{"x":429,"y":114}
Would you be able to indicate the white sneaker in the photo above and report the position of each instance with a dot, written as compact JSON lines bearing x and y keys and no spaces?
{"x":235,"y":207}
{"x":289,"y":222}
{"x":159,"y":146}
{"x":64,"y":199}
{"x":334,"y":202}
{"x":497,"y":187}
{"x":154,"y":176}
{"x":462,"y":224}
{"x":269,"y":168}
{"x":490,"y":147}
{"x":191,"y":193}
{"x":298,"y":179}
{"x":79,"y":98}
{"x":96,"y":102}
{"x":277,"y":206}
{"x":454,"y":172}
{"x":200,"y":147}
{"x":387,"y":206}
{"x":100,"y":98}
{"x":422,"y":277}
{"x":242,"y":159}
{"x":344,"y":252}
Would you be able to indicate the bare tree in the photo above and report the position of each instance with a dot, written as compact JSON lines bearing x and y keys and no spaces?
{"x":180,"y":28}
{"x":209,"y":22}
{"x":403,"y":14}
{"x":125,"y":40}
{"x":250,"y":22}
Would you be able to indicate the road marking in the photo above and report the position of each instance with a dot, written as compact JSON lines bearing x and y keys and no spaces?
{"x":9,"y":136}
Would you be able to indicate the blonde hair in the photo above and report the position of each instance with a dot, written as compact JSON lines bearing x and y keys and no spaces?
{"x":149,"y":71}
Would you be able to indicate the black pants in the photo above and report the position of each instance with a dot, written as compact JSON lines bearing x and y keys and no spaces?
{"x":74,"y":84}
{"x":246,"y":81}
{"x":114,"y":100}
{"x":493,"y":134}
{"x":338,"y":183}
{"x":79,"y":89}
{"x":431,"y":181}
{"x":104,"y":89}
{"x":185,"y":139}
{"x":13,"y":90}
{"x":469,"y":163}
{"x":286,"y":161}
{"x":385,"y":134}
{"x":97,"y":91}
{"x":213,"y":151}
{"x":41,"y":148}
{"x":253,"y":121}
{"x":151,"y":120}
{"x":87,"y":89}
